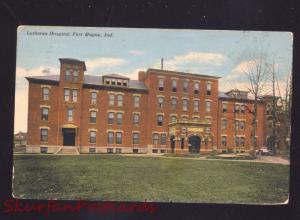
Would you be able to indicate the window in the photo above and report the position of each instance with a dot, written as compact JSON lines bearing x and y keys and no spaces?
{"x":173,"y":118}
{"x":237,"y":108}
{"x":173,"y":103}
{"x":113,"y":82}
{"x":184,"y":118}
{"x":196,"y":88}
{"x":208,"y":130}
{"x":208,"y":106}
{"x":92,"y":137}
{"x":155,"y":139}
{"x":93,"y":116}
{"x":119,"y":138}
{"x":110,"y":137}
{"x":45,"y":113}
{"x":136,"y":119}
{"x":111,"y":100}
{"x":224,"y":107}
{"x":119,"y":82}
{"x":68,"y":75}
{"x":182,"y":143}
{"x":75,"y":75}
{"x":45,"y":93}
{"x":120,"y":100}
{"x":155,"y":151}
{"x":163,"y":139}
{"x":162,"y":151}
{"x":160,"y":101}
{"x":237,"y":141}
{"x":161,"y":84}
{"x":185,"y":85}
{"x":70,"y":114}
{"x":125,"y":83}
{"x":135,"y":138}
{"x":208,"y":89}
{"x":107,"y":81}
{"x":242,"y":141}
{"x":92,"y":150}
{"x":93,"y":97}
{"x":111,"y":117}
{"x":135,"y":151}
{"x":44,"y":150}
{"x":196,"y":105}
{"x":118,"y":150}
{"x":224,"y":124}
{"x":184,"y":104}
{"x":174,"y":85}
{"x":110,"y":150}
{"x":242,"y":125}
{"x":119,"y":118}
{"x":197,"y":119}
{"x":243,"y":109}
{"x":67,"y":95}
{"x":224,"y":141}
{"x":44,"y":135}
{"x":159,"y":120}
{"x":74,"y":95}
{"x":237,"y":124}
{"x":136,"y":101}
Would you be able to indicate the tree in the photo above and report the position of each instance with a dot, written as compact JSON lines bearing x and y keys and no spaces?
{"x":257,"y":72}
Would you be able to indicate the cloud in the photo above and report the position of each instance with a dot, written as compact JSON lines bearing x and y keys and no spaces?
{"x":198,"y":62}
{"x":136,"y":52}
{"x":21,"y":95}
{"x":237,"y":79}
{"x":102,"y":62}
{"x":22,"y":72}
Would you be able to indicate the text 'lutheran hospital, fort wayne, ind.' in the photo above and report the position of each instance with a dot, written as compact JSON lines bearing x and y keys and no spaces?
{"x":161,"y":112}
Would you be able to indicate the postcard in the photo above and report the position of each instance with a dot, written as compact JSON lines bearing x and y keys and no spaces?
{"x":161,"y":115}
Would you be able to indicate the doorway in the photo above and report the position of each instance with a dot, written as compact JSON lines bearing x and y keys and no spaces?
{"x":69,"y":136}
{"x":194,"y":144}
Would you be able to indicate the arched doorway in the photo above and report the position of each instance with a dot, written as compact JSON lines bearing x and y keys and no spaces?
{"x":194,"y":144}
{"x":172,"y":142}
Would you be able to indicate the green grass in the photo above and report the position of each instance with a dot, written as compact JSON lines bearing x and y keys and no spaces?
{"x":128,"y":178}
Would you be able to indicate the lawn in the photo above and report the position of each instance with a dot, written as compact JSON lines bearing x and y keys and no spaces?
{"x":129,"y":178}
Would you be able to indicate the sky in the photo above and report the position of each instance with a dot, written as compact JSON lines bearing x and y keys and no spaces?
{"x":227,"y":54}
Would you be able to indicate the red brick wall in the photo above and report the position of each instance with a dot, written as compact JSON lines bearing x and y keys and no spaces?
{"x":152,"y":82}
{"x":248,"y":117}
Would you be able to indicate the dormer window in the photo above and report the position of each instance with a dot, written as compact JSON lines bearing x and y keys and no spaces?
{"x":107,"y":82}
{"x":119,"y":82}
{"x":125,"y":83}
{"x":113,"y":82}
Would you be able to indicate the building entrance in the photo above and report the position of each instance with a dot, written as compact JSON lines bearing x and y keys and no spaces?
{"x":69,"y":136}
{"x":194,"y":144}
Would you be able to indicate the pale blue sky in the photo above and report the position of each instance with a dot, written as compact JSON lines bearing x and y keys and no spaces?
{"x":221,"y":53}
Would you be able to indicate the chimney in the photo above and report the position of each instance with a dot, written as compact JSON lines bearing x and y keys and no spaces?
{"x":162,"y":64}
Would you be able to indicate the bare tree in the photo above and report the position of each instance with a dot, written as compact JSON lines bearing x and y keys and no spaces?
{"x":257,"y":73}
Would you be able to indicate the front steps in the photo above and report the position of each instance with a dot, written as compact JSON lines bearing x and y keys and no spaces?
{"x":68,"y":150}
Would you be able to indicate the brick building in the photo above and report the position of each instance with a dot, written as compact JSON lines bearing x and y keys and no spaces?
{"x":163,"y":111}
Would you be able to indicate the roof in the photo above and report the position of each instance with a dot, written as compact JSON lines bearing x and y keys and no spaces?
{"x":182,"y":73}
{"x":72,"y":60}
{"x":92,"y":81}
{"x":115,"y":75}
